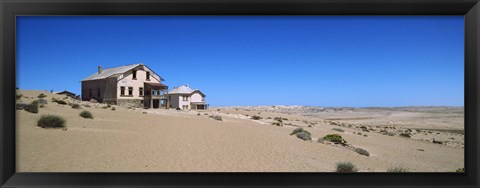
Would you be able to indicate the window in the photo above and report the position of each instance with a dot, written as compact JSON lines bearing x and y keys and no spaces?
{"x":134,"y":74}
{"x":130,"y":90}
{"x":185,"y":97}
{"x":98,"y":93}
{"x":122,"y":90}
{"x":140,"y":91}
{"x":148,"y":75}
{"x":90,"y":91}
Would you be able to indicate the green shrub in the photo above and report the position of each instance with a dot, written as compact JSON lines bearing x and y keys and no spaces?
{"x":86,"y":114}
{"x":346,"y":167}
{"x":51,"y":121}
{"x":362,"y":151}
{"x":335,"y":138}
{"x":304,"y":135}
{"x":18,"y":96}
{"x":75,"y":106}
{"x":407,"y":135}
{"x":297,"y":130}
{"x":255,"y":117}
{"x":41,"y":95}
{"x":397,"y":169}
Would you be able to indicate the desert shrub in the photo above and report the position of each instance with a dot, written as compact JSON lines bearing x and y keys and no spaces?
{"x":269,"y":118}
{"x":338,"y":129}
{"x":113,"y":108}
{"x":41,"y":95}
{"x":304,"y":135}
{"x":177,"y":108}
{"x":255,"y":117}
{"x":86,"y":114}
{"x":335,"y":138}
{"x":32,"y":107}
{"x":460,"y":170}
{"x":279,"y":119}
{"x":285,"y":119}
{"x":218,"y":109}
{"x":105,"y":107}
{"x":397,"y":169}
{"x":362,"y":151}
{"x":279,"y":124}
{"x":75,"y":106}
{"x":297,"y":130}
{"x":346,"y":167}
{"x":86,"y":105}
{"x":54,"y":99}
{"x":18,"y":96}
{"x":51,"y":121}
{"x":42,"y":101}
{"x":108,"y":105}
{"x":216,"y":117}
{"x":390,"y":133}
{"x":20,"y":106}
{"x":62,"y":102}
{"x":41,"y":106}
{"x":35,"y":102}
{"x":407,"y":135}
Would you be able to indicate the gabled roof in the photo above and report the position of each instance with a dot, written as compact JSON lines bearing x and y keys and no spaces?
{"x":181,"y":90}
{"x":113,"y":71}
{"x":184,"y":90}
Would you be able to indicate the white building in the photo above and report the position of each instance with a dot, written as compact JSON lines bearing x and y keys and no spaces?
{"x":185,"y":98}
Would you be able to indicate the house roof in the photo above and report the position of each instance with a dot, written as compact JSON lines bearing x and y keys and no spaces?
{"x":113,"y":71}
{"x":181,"y":90}
{"x":185,"y":89}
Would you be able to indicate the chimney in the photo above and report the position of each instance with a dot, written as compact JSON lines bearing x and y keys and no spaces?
{"x":99,"y":69}
{"x":186,"y":85}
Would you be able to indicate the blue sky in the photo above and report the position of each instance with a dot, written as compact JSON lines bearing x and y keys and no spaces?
{"x":356,"y":61}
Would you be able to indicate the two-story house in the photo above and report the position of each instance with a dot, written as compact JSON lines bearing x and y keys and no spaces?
{"x":185,"y":98}
{"x":133,"y":85}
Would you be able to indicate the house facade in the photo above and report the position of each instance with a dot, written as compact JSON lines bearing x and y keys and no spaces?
{"x":133,"y":85}
{"x":185,"y":98}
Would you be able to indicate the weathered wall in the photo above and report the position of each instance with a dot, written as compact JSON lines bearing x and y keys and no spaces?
{"x":137,"y":103}
{"x":128,"y":81}
{"x":196,"y":97}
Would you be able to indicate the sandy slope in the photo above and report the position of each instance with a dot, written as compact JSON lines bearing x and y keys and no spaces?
{"x":127,"y":140}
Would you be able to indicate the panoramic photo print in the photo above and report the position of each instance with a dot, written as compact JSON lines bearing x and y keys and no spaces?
{"x":240,"y":94}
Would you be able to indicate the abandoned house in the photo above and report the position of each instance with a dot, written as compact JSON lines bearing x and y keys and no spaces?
{"x":133,"y":85}
{"x":185,"y":98}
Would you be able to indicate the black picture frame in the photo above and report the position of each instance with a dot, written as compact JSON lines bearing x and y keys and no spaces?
{"x":11,"y":8}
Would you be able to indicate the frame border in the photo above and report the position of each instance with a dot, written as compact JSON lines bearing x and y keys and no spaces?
{"x":11,"y":8}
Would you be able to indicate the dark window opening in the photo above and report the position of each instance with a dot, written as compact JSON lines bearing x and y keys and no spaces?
{"x":134,"y":74}
{"x":148,"y":75}
{"x":140,"y":91}
{"x":90,"y":91}
{"x":130,"y":90}
{"x":122,"y":90}
{"x":98,"y":93}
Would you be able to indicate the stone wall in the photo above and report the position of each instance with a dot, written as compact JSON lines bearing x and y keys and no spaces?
{"x":137,"y":103}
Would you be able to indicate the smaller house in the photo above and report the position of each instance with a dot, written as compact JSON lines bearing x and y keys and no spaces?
{"x":185,"y":98}
{"x":67,"y":93}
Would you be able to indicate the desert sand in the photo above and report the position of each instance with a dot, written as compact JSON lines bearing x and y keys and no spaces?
{"x":167,"y":140}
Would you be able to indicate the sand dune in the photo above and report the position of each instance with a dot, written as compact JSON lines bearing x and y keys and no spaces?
{"x":128,"y":140}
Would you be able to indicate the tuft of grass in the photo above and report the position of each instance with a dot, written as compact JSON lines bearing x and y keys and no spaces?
{"x":255,"y":117}
{"x":62,"y":102}
{"x":41,"y":96}
{"x":304,"y":135}
{"x":397,"y":169}
{"x":335,"y":138}
{"x":362,"y":151}
{"x":86,"y":114}
{"x":407,"y":135}
{"x":216,"y":117}
{"x":113,"y":109}
{"x":346,"y":167}
{"x":338,"y":129}
{"x":297,"y":130}
{"x":32,"y":107}
{"x":279,"y":124}
{"x":75,"y":106}
{"x":51,"y":121}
